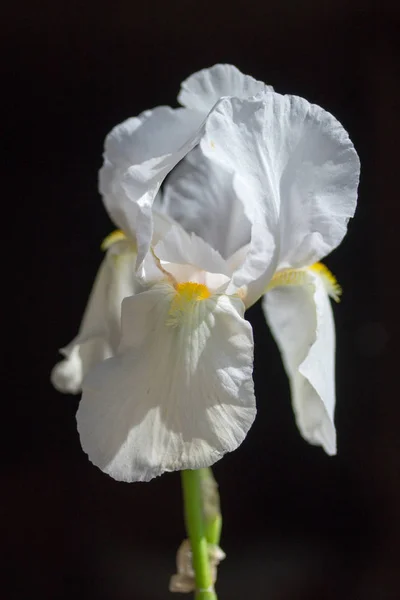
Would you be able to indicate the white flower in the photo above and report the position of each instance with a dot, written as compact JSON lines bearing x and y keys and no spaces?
{"x":267,"y":182}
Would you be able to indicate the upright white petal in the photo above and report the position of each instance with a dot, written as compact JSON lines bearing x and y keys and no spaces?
{"x":296,"y":162}
{"x":301,"y":321}
{"x":199,"y":195}
{"x":100,"y":330}
{"x":209,"y":200}
{"x":138,"y":154}
{"x":162,"y":222}
{"x":180,"y":393}
{"x":203,"y":89}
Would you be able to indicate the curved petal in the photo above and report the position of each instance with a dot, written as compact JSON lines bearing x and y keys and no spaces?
{"x":68,"y":374}
{"x":162,"y":224}
{"x":182,"y":257}
{"x":300,"y":318}
{"x":299,"y":167}
{"x":122,"y":283}
{"x":184,"y":248}
{"x":138,"y":154}
{"x":199,"y":195}
{"x":178,"y":396}
{"x":203,"y":89}
{"x":100,"y":330}
{"x":233,"y":140}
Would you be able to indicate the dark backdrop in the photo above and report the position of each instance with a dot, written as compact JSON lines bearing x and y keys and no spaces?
{"x":297,"y":524}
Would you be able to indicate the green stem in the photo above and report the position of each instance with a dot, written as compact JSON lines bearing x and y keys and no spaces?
{"x":195,"y":527}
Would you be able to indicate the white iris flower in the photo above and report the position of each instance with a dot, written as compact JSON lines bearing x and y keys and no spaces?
{"x":266,"y":183}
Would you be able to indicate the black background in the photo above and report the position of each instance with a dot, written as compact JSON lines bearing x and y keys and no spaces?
{"x":297,"y":523}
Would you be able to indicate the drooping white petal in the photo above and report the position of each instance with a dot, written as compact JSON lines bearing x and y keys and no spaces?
{"x":296,"y":162}
{"x":90,"y":345}
{"x":100,"y":330}
{"x":80,"y":356}
{"x":178,"y":396}
{"x":203,"y":89}
{"x":66,"y":376}
{"x":122,"y":283}
{"x":138,"y":154}
{"x":199,"y":195}
{"x":301,"y":320}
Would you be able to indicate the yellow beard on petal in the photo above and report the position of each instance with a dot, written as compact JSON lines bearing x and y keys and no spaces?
{"x":331,"y":283}
{"x":288,"y":277}
{"x":120,"y":246}
{"x":297,"y":277}
{"x":190,"y":291}
{"x":112,"y":238}
{"x":187,"y":296}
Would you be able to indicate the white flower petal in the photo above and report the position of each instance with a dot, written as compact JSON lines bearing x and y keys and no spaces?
{"x":186,"y":257}
{"x":182,"y":257}
{"x":236,"y":260}
{"x":297,"y":163}
{"x":93,"y":324}
{"x":68,"y":374}
{"x":122,"y":283}
{"x":259,"y":263}
{"x":301,"y":321}
{"x":176,"y":397}
{"x":234,"y":140}
{"x":203,"y":89}
{"x":100,"y":330}
{"x":181,"y":247}
{"x":139,"y":153}
{"x":162,"y":224}
{"x":199,"y":195}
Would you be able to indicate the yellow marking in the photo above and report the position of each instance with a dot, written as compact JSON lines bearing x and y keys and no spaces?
{"x":288,"y":277}
{"x":192,"y":292}
{"x":331,"y":284}
{"x":112,"y":238}
{"x":187,"y":295}
{"x":299,"y":277}
{"x":212,"y":145}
